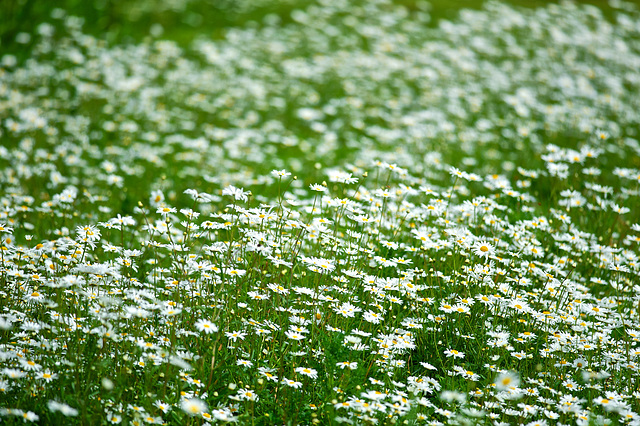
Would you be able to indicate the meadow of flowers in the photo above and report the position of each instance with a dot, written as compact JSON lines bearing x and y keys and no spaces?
{"x":346,"y":216}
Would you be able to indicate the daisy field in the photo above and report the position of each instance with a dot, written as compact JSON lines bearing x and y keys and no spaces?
{"x":322,"y":212}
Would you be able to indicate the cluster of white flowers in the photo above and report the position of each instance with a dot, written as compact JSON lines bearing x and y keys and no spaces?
{"x":356,"y":217}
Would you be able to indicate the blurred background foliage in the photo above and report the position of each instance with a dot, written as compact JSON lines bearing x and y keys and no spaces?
{"x":122,"y":21}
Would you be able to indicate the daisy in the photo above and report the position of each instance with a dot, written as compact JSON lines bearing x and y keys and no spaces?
{"x":347,"y":364}
{"x":280,"y":173}
{"x":428,"y":366}
{"x":193,"y":406}
{"x":454,"y":353}
{"x":291,"y":383}
{"x":467,"y":374}
{"x":165,"y":210}
{"x":247,"y":394}
{"x":163,"y":406}
{"x":461,"y":308}
{"x":309,"y":372}
{"x":268,"y":374}
{"x":238,"y":194}
{"x":63,"y":408}
{"x":13,"y":373}
{"x":293,"y":335}
{"x":30,"y":365}
{"x":317,"y":187}
{"x":446,"y":308}
{"x":519,"y":355}
{"x":372,"y":317}
{"x":483,"y":249}
{"x":206,"y":326}
{"x":47,"y":376}
{"x":235,"y":335}
{"x":507,"y":380}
